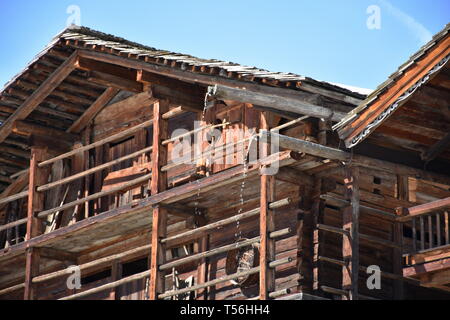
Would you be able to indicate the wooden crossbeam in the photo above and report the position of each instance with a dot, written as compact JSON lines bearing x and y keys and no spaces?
{"x":436,"y":149}
{"x":93,"y":110}
{"x":322,"y":151}
{"x":39,"y":95}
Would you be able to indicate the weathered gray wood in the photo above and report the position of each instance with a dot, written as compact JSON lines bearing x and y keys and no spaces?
{"x":299,"y":106}
{"x":209,"y":227}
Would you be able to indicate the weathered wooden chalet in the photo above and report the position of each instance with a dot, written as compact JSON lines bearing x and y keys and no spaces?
{"x":128,"y":172}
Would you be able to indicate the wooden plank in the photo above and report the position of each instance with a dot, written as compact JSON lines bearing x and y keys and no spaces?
{"x":39,"y":95}
{"x":34,"y":225}
{"x":158,"y":184}
{"x":93,"y":110}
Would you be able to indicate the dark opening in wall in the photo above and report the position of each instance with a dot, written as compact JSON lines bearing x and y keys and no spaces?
{"x":134,"y":267}
{"x":96,"y":277}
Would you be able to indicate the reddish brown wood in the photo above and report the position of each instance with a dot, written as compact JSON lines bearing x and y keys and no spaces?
{"x":202,"y":268}
{"x":39,"y":95}
{"x":266,"y":224}
{"x":34,"y":225}
{"x":93,"y":110}
{"x":158,"y":184}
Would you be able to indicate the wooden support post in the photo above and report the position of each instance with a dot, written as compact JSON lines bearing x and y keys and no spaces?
{"x":266,"y":222}
{"x":34,"y":225}
{"x":116,"y":274}
{"x":202,"y":268}
{"x":350,"y":244}
{"x":317,"y":211}
{"x":397,"y":232}
{"x":305,"y":238}
{"x":158,"y":183}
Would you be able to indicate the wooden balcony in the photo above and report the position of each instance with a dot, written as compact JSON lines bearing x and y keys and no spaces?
{"x":427,"y":257}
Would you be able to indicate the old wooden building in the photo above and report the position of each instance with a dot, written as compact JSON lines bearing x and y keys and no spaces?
{"x":148,"y":174}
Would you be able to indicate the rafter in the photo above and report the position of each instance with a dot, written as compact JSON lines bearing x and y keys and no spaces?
{"x":39,"y":95}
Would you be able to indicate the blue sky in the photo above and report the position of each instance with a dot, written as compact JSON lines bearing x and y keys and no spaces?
{"x":323,"y":39}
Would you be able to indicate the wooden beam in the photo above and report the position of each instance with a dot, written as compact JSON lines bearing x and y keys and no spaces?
{"x":158,"y":184}
{"x":288,"y":104}
{"x":34,"y":225}
{"x":266,"y":221}
{"x":350,"y":244}
{"x":431,"y":266}
{"x":318,"y":150}
{"x":436,"y":279}
{"x":93,"y":110}
{"x":116,"y":275}
{"x":28,"y":128}
{"x":207,"y":79}
{"x":436,"y":149}
{"x":18,"y":185}
{"x":408,"y":213}
{"x":202,"y":268}
{"x":59,"y":255}
{"x":39,"y":95}
{"x":293,"y":176}
{"x":108,"y":80}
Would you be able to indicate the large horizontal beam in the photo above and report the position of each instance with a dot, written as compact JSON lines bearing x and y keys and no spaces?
{"x":299,"y":105}
{"x":209,"y":80}
{"x":319,"y":150}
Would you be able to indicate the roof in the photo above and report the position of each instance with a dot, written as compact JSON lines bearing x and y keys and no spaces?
{"x":90,"y":38}
{"x":77,"y":92}
{"x":378,"y":94}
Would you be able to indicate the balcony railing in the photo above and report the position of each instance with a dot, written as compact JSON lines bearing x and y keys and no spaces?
{"x":429,"y":225}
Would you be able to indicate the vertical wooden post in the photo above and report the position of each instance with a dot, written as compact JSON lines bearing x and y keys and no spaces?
{"x":317,"y":212}
{"x":202,"y":294}
{"x":350,"y":244}
{"x":397,"y":230}
{"x":34,"y":225}
{"x":158,"y":184}
{"x":116,"y":274}
{"x":87,"y":180}
{"x":305,"y":239}
{"x":266,"y":223}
